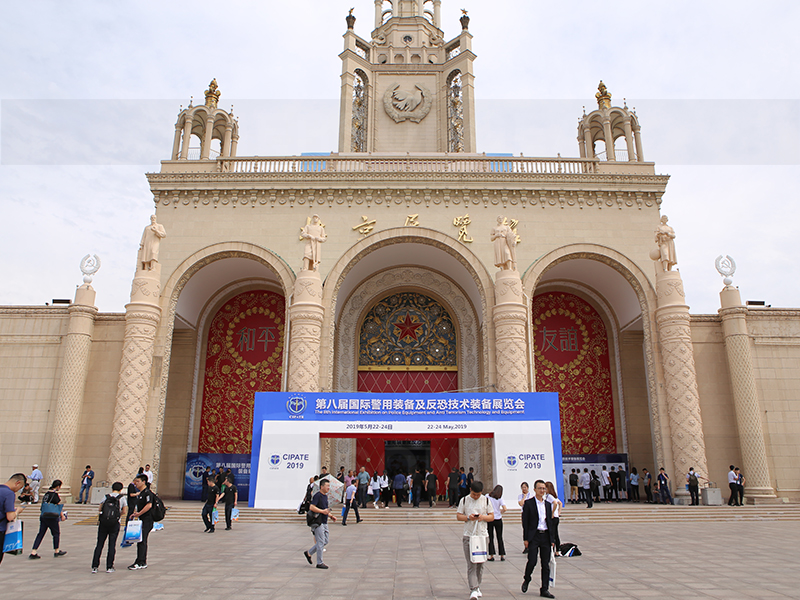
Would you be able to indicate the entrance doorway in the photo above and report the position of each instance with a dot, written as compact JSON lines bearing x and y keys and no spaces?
{"x":404,"y":456}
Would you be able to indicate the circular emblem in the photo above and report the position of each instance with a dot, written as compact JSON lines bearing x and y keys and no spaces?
{"x":511,"y":460}
{"x":89,"y":266}
{"x":725,"y":267}
{"x":275,"y":460}
{"x":407,"y":104}
{"x":296,"y":405}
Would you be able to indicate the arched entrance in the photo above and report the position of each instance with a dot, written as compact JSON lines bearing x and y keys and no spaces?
{"x":407,"y":343}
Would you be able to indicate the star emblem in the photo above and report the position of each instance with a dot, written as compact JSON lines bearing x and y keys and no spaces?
{"x":407,"y":328}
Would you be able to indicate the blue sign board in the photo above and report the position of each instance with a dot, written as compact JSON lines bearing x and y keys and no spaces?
{"x":196,"y":464}
{"x":378,"y":413}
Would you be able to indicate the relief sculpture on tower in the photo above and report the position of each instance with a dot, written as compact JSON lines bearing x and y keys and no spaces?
{"x":407,"y":104}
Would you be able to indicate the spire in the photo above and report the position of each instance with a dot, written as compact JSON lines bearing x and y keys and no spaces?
{"x":212,"y":94}
{"x":603,"y":96}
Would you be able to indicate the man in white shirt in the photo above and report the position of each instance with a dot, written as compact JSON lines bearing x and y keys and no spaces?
{"x":350,"y":501}
{"x":605,"y":479}
{"x":149,"y":473}
{"x":36,"y":480}
{"x":475,"y":511}
{"x":733,"y":481}
{"x":585,"y":481}
{"x":539,"y":534}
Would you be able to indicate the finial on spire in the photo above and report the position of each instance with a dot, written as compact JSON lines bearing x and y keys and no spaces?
{"x":212,"y":94}
{"x":191,"y":101}
{"x":603,"y":96}
{"x":351,"y":19}
{"x":464,"y":19}
{"x":624,"y":103}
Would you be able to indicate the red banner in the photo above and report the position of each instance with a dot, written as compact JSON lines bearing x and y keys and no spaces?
{"x":409,"y":382}
{"x":244,"y":355}
{"x":572,"y":358}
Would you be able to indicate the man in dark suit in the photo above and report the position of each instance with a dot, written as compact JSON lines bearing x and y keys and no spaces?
{"x":538,"y":532}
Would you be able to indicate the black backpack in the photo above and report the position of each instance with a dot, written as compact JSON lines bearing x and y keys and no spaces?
{"x":693,"y":482}
{"x":110,"y":511}
{"x":157,"y":509}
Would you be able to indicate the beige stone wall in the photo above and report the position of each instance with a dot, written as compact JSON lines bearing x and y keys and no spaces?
{"x":776,"y":357}
{"x":716,"y":399}
{"x":637,"y":412}
{"x":30,"y":366}
{"x":178,"y":413}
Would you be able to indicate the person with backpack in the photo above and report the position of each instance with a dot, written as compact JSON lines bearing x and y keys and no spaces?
{"x":112,"y":510}
{"x":50,"y":518}
{"x":693,"y":481}
{"x":144,"y":504}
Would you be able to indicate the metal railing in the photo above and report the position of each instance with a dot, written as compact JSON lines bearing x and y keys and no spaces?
{"x":621,"y":155}
{"x":408,"y":164}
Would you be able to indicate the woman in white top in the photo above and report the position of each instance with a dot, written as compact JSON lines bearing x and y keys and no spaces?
{"x":386,"y":493}
{"x":375,"y":483}
{"x":498,"y":508}
{"x":557,"y":505}
{"x":525,"y":495}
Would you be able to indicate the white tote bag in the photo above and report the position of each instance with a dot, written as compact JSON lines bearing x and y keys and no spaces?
{"x":478,"y":545}
{"x":552,"y":569}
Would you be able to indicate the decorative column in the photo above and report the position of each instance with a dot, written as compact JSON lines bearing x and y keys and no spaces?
{"x":626,"y":125}
{"x":637,"y":137}
{"x":305,"y":321}
{"x":142,"y":317}
{"x":510,"y":317}
{"x":680,"y":380}
{"x":609,"y":139}
{"x":187,"y":136}
{"x":78,"y":343}
{"x":758,"y":484}
{"x":176,"y":143}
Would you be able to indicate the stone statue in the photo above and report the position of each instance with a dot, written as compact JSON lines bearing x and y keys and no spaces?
{"x":314,"y":235}
{"x":665,"y":238}
{"x":148,"y":247}
{"x":505,"y":242}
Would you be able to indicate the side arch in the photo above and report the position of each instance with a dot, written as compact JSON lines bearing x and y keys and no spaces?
{"x":169,"y":303}
{"x":645,"y":294}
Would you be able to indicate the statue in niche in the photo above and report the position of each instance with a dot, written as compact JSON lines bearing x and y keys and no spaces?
{"x":149,"y":246}
{"x":665,"y":253}
{"x":314,"y":235}
{"x":505,"y":246}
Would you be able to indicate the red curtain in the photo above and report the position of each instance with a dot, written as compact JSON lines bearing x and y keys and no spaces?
{"x":244,"y":355}
{"x":572,"y":358}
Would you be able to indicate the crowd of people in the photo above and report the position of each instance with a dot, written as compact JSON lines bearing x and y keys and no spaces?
{"x":114,"y":512}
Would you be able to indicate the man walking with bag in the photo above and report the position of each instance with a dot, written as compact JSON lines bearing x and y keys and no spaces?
{"x":112,"y":509}
{"x":319,"y":507}
{"x":539,"y":534}
{"x":475,"y":511}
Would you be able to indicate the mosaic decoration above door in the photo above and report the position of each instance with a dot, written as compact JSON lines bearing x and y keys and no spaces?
{"x":244,"y":355}
{"x":407,"y":330}
{"x":572,"y":358}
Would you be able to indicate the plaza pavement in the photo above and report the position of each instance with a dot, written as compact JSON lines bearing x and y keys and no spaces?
{"x":731,"y":560}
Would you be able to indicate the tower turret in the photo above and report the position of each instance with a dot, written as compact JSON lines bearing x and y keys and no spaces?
{"x":208,"y":123}
{"x":607,"y":124}
{"x":407,"y":89}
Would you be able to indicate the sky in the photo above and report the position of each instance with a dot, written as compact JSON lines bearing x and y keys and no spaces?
{"x":90,"y":92}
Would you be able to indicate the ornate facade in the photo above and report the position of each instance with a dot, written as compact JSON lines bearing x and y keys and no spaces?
{"x":406,"y":261}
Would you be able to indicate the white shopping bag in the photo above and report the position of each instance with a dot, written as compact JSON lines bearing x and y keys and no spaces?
{"x":13,"y":540}
{"x":478,"y":546}
{"x":553,"y":569}
{"x":133,"y":531}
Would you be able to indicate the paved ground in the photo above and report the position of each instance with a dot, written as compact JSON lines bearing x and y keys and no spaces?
{"x":620,"y":561}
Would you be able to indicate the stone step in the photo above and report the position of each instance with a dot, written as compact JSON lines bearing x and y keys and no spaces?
{"x":190,"y":511}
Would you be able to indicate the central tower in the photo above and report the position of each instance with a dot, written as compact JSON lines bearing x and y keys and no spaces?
{"x":407,"y":90}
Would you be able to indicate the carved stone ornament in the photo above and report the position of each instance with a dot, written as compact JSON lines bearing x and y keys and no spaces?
{"x":407,"y":105}
{"x":726,"y":267}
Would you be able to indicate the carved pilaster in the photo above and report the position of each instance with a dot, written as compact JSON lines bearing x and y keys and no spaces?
{"x":71,"y":388}
{"x":680,"y":379}
{"x":510,"y":318}
{"x":142,"y":317}
{"x":758,"y":484}
{"x":305,"y":318}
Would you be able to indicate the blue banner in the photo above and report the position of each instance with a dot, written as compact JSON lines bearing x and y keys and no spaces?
{"x":196,"y":464}
{"x":360,"y":413}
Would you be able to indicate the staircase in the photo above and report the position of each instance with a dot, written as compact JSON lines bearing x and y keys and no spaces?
{"x":180,"y":511}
